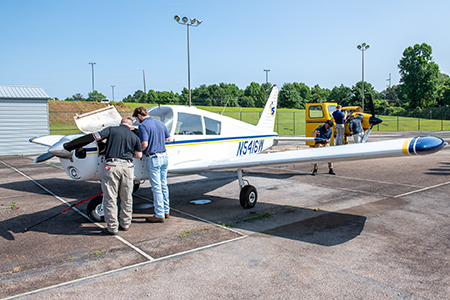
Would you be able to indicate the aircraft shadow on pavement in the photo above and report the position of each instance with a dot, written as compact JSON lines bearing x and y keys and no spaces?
{"x":443,"y":170}
{"x":320,"y":227}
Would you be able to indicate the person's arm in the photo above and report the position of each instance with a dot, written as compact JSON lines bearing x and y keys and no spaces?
{"x":144,"y":145}
{"x":137,"y":154}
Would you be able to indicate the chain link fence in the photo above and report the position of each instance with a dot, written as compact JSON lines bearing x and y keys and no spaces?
{"x":287,"y":123}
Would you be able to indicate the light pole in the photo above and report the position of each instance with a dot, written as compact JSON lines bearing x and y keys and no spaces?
{"x":363,"y":47}
{"x":195,"y":23}
{"x":267,"y":75}
{"x":112,"y":87}
{"x":92,"y":64}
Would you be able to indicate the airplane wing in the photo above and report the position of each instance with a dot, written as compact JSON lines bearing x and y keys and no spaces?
{"x":294,"y":139}
{"x":399,"y":147}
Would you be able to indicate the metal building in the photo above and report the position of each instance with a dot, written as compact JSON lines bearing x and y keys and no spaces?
{"x":23,"y":115}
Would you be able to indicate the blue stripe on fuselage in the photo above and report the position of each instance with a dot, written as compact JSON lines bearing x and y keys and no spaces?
{"x":216,"y":140}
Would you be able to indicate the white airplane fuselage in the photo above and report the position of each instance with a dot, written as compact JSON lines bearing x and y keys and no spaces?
{"x":188,"y":149}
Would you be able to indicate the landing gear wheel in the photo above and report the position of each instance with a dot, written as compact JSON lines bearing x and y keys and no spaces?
{"x":248,"y":196}
{"x":136,"y":184}
{"x":95,"y":209}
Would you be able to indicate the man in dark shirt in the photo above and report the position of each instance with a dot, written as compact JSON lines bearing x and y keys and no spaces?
{"x":323,"y":135}
{"x":339,"y":119}
{"x":122,"y":145}
{"x":153,"y":135}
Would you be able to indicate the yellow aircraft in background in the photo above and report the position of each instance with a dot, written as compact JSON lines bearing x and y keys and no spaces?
{"x":318,"y":113}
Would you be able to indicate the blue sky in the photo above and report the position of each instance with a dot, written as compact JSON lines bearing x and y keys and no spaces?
{"x":50,"y":43}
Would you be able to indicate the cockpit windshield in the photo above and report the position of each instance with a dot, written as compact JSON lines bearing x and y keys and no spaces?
{"x":163,"y":114}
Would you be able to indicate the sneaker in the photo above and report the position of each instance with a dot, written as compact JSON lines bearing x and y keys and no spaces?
{"x":314,"y":173}
{"x":105,"y":230}
{"x":155,"y":220}
{"x":331,"y":172}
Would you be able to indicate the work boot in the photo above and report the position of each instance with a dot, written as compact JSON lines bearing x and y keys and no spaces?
{"x":155,"y":220}
{"x":123,"y":228}
{"x":331,"y":172}
{"x":105,"y":230}
{"x":314,"y":173}
{"x":166,"y":216}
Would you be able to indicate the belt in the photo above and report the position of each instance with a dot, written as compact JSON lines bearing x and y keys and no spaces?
{"x":151,"y":154}
{"x":119,"y":160}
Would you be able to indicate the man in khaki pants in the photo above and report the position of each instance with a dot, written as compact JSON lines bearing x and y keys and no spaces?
{"x":323,"y":136}
{"x":121,"y":146}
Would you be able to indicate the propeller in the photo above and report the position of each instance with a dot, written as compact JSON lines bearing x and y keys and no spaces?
{"x":79,"y":142}
{"x":373,"y":120}
{"x":43,"y":157}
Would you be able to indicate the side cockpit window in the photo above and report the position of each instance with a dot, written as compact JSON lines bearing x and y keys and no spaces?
{"x":212,"y":126}
{"x":189,"y":124}
{"x":164,"y":114}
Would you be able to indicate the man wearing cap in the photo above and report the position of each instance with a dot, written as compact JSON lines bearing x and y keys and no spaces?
{"x":121,"y":146}
{"x":323,"y":136}
{"x":153,"y":135}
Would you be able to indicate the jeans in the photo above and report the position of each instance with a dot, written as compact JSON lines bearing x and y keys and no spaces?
{"x":157,"y":170}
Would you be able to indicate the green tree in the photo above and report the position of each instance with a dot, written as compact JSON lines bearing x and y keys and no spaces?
{"x":444,"y":92}
{"x":246,"y":101}
{"x":95,"y":96}
{"x":254,"y":91}
{"x":289,"y":97}
{"x":319,"y":94}
{"x":341,"y":95}
{"x":357,"y":95}
{"x":419,"y":75}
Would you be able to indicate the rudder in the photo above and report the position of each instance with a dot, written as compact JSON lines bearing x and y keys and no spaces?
{"x":267,"y":120}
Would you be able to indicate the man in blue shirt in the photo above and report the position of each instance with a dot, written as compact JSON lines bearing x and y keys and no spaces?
{"x":356,"y":128}
{"x":339,"y":119}
{"x":323,"y":136}
{"x":153,"y":135}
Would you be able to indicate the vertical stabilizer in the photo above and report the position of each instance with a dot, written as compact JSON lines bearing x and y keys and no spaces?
{"x":267,"y":120}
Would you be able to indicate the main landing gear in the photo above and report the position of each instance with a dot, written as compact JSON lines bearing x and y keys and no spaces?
{"x":248,"y":195}
{"x":95,"y":206}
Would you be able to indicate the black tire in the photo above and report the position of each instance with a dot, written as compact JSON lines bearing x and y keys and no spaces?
{"x":95,"y":209}
{"x":248,"y":196}
{"x":136,"y":184}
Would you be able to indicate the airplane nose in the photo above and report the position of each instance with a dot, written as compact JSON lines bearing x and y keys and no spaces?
{"x":424,"y":145}
{"x":59,"y":151}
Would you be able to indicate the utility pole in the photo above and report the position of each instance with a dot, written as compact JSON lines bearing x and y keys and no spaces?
{"x":93,"y":95}
{"x":363,"y":47}
{"x":113,"y":92}
{"x":267,"y":75}
{"x":143,"y":75}
{"x":389,"y":79}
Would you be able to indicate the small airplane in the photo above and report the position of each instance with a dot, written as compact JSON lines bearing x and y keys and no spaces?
{"x":203,"y":141}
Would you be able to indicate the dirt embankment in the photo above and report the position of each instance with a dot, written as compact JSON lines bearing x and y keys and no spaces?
{"x":62,"y":112}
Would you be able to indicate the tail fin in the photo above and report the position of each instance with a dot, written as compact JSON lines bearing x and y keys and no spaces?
{"x":267,"y":120}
